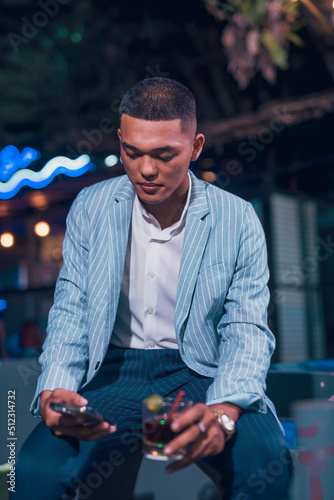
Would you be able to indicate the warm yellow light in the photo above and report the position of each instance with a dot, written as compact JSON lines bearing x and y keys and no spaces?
{"x":7,"y":240}
{"x":209,"y":176}
{"x":207,"y":163}
{"x":38,"y":200}
{"x":57,"y":253}
{"x":42,"y":229}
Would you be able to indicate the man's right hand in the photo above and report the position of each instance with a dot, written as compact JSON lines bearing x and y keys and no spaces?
{"x":65,"y":425}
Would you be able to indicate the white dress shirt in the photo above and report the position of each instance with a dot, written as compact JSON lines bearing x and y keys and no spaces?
{"x":146,"y":309}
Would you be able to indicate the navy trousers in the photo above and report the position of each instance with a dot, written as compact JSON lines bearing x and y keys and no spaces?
{"x":254,"y":464}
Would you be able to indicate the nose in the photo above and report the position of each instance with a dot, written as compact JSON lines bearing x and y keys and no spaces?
{"x":148,"y":167}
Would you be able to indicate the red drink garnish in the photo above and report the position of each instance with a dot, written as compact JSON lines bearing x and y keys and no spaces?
{"x":180,"y":395}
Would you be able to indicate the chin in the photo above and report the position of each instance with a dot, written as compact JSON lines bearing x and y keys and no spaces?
{"x":149,"y":201}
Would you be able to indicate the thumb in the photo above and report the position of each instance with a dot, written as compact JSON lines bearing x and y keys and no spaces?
{"x":65,"y":396}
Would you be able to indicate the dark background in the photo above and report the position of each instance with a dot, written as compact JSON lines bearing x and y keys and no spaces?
{"x":64,"y":73}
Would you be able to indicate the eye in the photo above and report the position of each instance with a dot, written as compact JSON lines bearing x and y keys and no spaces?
{"x":132,"y":156}
{"x":164,"y":159}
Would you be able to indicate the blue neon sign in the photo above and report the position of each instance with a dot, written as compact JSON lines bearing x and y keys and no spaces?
{"x":12,"y":160}
{"x":26,"y":177}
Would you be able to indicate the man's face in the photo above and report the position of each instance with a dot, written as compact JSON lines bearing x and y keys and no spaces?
{"x":156,"y":156}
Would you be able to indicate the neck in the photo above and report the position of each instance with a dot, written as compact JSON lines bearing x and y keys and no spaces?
{"x":167,"y":213}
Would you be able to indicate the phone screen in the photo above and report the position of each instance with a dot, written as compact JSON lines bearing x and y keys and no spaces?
{"x":90,"y":416}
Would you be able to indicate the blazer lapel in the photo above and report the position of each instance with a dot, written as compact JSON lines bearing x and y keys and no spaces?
{"x":119,"y":218}
{"x":196,"y":235}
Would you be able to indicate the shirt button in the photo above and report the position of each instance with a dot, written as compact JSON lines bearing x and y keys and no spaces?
{"x":151,"y":344}
{"x":150,"y":310}
{"x":151,"y":275}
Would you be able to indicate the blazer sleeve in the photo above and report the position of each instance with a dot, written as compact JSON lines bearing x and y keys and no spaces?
{"x":246,"y":343}
{"x":65,"y":351}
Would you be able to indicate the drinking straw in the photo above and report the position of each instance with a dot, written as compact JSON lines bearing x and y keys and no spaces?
{"x":175,"y":404}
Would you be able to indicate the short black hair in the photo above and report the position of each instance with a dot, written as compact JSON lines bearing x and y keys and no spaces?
{"x":160,"y":99}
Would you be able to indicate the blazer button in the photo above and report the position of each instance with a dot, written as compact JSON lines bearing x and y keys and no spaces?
{"x":97,"y":365}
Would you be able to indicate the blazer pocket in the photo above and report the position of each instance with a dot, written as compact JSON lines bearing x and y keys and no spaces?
{"x":210,"y":272}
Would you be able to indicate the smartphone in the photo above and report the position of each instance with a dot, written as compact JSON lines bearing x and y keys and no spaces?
{"x":90,"y":415}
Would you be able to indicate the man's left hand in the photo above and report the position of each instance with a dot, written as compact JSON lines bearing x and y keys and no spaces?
{"x":204,"y":440}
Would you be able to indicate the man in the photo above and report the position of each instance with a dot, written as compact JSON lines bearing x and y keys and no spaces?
{"x":164,"y":286}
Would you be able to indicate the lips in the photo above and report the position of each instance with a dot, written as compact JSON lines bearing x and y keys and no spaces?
{"x":149,"y":187}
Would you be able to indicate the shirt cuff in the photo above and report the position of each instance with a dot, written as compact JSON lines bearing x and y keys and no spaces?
{"x":35,"y":409}
{"x":246,"y":401}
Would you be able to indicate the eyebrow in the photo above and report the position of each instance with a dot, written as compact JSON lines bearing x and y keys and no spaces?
{"x":155,"y":150}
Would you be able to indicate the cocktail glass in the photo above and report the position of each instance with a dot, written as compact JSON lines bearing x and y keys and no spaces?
{"x":156,"y":428}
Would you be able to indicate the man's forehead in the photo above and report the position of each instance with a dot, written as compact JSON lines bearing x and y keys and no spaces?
{"x":159,"y":149}
{"x":152,"y":135}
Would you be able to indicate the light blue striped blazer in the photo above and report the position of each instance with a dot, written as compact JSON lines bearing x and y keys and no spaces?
{"x":222,"y":295}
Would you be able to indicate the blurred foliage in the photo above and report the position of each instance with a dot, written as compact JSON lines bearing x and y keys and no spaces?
{"x":65,"y":70}
{"x":258,"y":35}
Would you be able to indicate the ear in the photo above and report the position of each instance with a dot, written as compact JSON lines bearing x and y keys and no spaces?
{"x":197,"y":146}
{"x":119,"y":134}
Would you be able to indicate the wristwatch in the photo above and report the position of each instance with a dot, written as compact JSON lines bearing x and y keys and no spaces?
{"x":226,"y":424}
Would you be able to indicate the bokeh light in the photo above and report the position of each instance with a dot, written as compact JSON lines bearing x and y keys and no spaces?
{"x":7,"y":240}
{"x":42,"y":229}
{"x":209,"y":176}
{"x":111,"y":160}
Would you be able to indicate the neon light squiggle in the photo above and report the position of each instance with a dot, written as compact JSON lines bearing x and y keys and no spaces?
{"x":12,"y":160}
{"x":36,"y":180}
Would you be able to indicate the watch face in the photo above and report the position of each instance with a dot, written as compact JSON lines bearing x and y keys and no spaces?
{"x":228,"y":423}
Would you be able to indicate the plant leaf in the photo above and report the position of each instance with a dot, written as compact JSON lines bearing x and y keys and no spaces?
{"x":277,"y":52}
